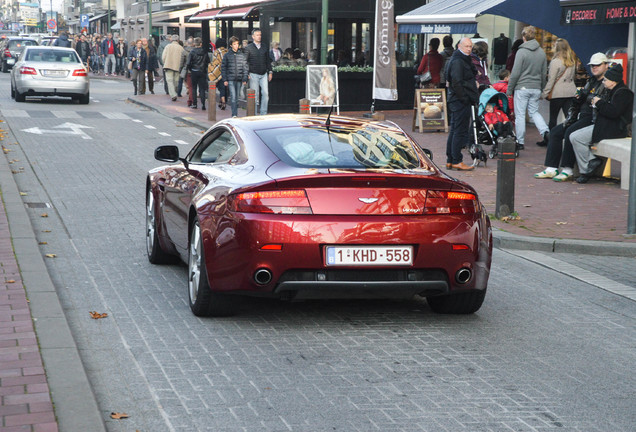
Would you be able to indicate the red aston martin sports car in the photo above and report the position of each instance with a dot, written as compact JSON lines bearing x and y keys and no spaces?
{"x":307,"y":206}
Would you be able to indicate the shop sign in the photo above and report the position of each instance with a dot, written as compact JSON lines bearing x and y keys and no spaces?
{"x":429,"y":110}
{"x":607,"y":13}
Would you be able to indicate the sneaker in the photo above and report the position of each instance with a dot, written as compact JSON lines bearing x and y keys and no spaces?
{"x":562,"y":176}
{"x":545,"y":174}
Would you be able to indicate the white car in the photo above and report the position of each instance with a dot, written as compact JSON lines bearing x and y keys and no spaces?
{"x":49,"y":71}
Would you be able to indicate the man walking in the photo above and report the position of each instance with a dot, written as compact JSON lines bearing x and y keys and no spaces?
{"x":172,"y":64}
{"x":198,"y":68}
{"x":108,"y":52}
{"x":527,"y":79}
{"x":462,"y":95}
{"x":151,"y":65}
{"x":260,"y":69}
{"x":84,"y":51}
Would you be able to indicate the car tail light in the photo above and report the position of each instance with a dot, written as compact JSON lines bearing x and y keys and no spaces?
{"x":79,"y":72}
{"x":276,"y":202}
{"x":25,"y":70}
{"x":442,"y":202}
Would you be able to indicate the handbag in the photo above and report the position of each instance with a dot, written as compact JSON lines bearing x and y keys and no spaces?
{"x":549,"y":96}
{"x":426,"y":76}
{"x":130,"y":65}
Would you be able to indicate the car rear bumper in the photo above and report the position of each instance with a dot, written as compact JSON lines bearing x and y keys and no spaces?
{"x":52,"y":87}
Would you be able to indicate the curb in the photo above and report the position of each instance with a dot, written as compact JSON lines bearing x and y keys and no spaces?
{"x":501,"y":239}
{"x":73,"y":399}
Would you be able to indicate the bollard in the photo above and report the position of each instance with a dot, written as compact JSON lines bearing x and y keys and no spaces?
{"x":303,"y":106}
{"x":505,"y":196}
{"x":212,"y":101}
{"x":251,"y":102}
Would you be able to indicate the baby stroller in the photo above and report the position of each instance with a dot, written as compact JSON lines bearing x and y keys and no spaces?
{"x":485,"y":136}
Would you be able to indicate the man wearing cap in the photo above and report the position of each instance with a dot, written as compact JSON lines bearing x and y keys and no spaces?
{"x":559,"y":157}
{"x":613,"y":112}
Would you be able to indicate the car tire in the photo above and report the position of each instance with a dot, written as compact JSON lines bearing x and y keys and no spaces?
{"x":84,"y":99}
{"x":156,"y":255}
{"x":12,"y":91}
{"x":204,"y":301}
{"x":462,"y":303}
{"x":19,"y":97}
{"x":5,"y":67}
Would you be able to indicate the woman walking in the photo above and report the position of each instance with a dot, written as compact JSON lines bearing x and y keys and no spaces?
{"x":138,"y":58}
{"x":214,"y":70}
{"x":234,"y":71}
{"x":560,"y":88}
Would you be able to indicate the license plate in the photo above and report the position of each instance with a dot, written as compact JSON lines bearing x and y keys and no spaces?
{"x":369,"y":255}
{"x":10,"y":61}
{"x":54,"y":73}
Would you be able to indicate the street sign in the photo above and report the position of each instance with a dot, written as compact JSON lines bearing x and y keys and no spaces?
{"x":51,"y":24}
{"x":84,"y":21}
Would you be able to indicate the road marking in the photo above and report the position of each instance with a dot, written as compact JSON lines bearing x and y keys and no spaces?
{"x":137,"y":120}
{"x":150,"y":126}
{"x":577,"y":273}
{"x":180,"y":142}
{"x":73,"y":129}
{"x":14,"y":113}
{"x":66,"y":114}
{"x":164,"y":134}
{"x":115,"y":115}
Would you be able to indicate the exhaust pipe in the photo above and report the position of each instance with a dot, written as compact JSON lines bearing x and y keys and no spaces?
{"x":262,"y":276}
{"x":463,"y":275}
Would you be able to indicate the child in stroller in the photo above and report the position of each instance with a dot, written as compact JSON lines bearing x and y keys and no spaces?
{"x":488,"y":132}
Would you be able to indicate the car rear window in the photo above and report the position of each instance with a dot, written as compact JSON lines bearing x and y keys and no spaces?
{"x":367,"y":147}
{"x":49,"y":55}
{"x":19,"y":44}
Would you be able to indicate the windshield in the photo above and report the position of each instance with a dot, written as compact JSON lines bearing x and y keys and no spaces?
{"x":20,"y":44}
{"x":366,"y":147}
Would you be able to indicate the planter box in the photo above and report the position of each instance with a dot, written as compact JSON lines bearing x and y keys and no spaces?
{"x":287,"y":88}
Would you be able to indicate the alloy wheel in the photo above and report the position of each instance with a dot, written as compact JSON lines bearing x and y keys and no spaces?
{"x":194,"y":263}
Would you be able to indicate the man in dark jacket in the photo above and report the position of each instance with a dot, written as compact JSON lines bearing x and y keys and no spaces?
{"x":198,"y":67}
{"x":462,"y":95}
{"x":234,"y":71}
{"x":260,"y":69}
{"x":613,"y":109}
{"x":83,"y":50}
{"x":62,"y":41}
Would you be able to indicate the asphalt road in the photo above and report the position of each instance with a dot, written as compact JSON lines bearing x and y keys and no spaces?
{"x":546,"y":351}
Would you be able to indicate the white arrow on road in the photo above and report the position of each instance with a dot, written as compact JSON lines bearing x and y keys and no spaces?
{"x":72,"y":129}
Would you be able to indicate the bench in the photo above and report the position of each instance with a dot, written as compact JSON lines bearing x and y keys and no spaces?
{"x":617,"y":149}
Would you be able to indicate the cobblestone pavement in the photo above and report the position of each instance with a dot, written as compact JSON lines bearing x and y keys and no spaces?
{"x":546,"y":351}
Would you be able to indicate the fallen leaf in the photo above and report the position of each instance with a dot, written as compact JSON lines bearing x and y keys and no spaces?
{"x":46,"y":230}
{"x":50,"y":255}
{"x":118,"y":416}
{"x":97,"y":315}
{"x":527,"y":205}
{"x":23,"y":194}
{"x":44,"y":215}
{"x":43,"y":243}
{"x":10,"y":281}
{"x":561,"y":223}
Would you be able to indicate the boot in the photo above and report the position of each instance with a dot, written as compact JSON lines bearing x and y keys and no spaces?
{"x":135,"y":86}
{"x":202,"y":104}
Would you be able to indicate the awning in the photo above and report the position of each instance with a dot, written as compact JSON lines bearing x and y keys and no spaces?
{"x":450,"y":16}
{"x":97,"y":17}
{"x":240,"y":13}
{"x":205,"y":15}
{"x":116,"y":26}
{"x":236,"y":13}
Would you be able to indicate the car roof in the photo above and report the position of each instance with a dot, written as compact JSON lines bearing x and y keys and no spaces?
{"x":49,"y":47}
{"x":21,"y":38}
{"x":255,"y":123}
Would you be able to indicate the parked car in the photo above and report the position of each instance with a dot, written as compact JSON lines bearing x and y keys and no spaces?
{"x":50,"y":71}
{"x":48,"y":40}
{"x":301,"y":207}
{"x":11,"y":48}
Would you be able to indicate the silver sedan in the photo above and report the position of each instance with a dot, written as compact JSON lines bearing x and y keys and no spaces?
{"x":49,"y":71}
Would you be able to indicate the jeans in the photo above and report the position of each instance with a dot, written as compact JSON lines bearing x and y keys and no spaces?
{"x":528,"y":99}
{"x":458,"y":135}
{"x":260,"y":82}
{"x":235,"y":89}
{"x":109,"y":61}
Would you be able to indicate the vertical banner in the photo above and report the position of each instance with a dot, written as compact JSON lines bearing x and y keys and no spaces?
{"x":384,"y":73}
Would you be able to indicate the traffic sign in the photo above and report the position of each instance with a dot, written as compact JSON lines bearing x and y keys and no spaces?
{"x":51,"y":24}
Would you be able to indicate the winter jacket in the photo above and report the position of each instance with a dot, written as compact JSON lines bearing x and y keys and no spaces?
{"x":105,"y":46}
{"x":482,"y":70}
{"x":172,"y":56}
{"x":446,"y":55}
{"x":495,"y":117}
{"x":431,"y":61}
{"x":198,"y":60}
{"x":214,"y":69}
{"x":139,"y":58}
{"x":502,"y":87}
{"x":581,"y":108}
{"x":462,"y":87}
{"x":563,"y":86}
{"x":152,"y":57}
{"x":234,"y":66}
{"x":62,"y":41}
{"x":614,"y":114}
{"x":530,"y":68}
{"x":83,"y":50}
{"x":258,"y":59}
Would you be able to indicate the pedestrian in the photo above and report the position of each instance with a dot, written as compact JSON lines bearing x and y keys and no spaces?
{"x":234,"y":70}
{"x":527,"y":80}
{"x":198,"y":68}
{"x":108,"y":52}
{"x":431,"y":62}
{"x":260,"y":70}
{"x":214,"y":70}
{"x":151,"y":64}
{"x":479,"y":57}
{"x":172,"y":63}
{"x":165,"y":41}
{"x":121,"y":50}
{"x":613,"y":109}
{"x":560,"y":88}
{"x":139,"y":59}
{"x":62,"y":40}
{"x":84,"y":51}
{"x":559,"y":157}
{"x":446,"y":54}
{"x":185,"y":74}
{"x":462,"y":95}
{"x":510,"y":61}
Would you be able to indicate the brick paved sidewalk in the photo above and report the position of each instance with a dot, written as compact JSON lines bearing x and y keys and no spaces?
{"x":25,"y":401}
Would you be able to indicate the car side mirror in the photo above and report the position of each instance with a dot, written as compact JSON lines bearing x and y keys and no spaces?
{"x":167,"y":153}
{"x":428,"y":153}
